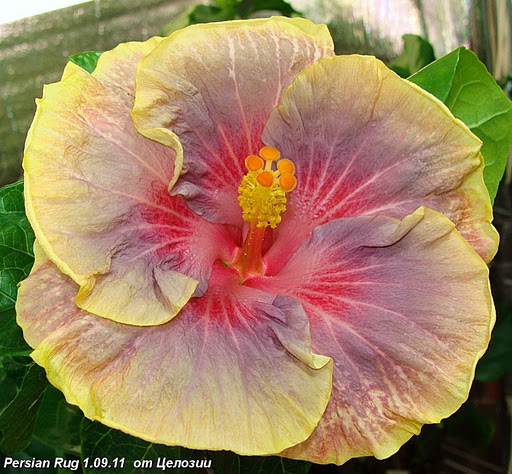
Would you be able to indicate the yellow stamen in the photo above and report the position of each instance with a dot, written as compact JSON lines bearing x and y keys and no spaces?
{"x":269,"y":153}
{"x":262,"y":192}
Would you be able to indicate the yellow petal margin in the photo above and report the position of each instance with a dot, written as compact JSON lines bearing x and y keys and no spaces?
{"x":97,"y":197}
{"x":234,"y":371}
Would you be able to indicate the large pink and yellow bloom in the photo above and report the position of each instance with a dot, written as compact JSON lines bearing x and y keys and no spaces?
{"x":192,"y":288}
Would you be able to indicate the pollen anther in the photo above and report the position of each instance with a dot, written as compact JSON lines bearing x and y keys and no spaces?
{"x":286,"y":166}
{"x":254,"y":163}
{"x":270,"y":153}
{"x":265,"y":178}
{"x":287,"y":182}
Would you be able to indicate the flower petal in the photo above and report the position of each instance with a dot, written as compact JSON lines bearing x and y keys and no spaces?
{"x":97,"y":197}
{"x":117,"y":67}
{"x":405,"y":311}
{"x":214,"y":85}
{"x":365,"y":141}
{"x":234,"y":370}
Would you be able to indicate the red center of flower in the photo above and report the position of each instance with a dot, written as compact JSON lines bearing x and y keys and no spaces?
{"x":262,"y":197}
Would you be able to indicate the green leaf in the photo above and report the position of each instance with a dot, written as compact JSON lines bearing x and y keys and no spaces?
{"x":463,"y":83}
{"x":417,"y":53}
{"x":497,"y":361}
{"x":16,"y":260}
{"x":246,"y":8}
{"x":58,"y":422}
{"x":18,"y":419}
{"x":224,"y":10}
{"x":231,"y":463}
{"x":41,"y":460}
{"x":87,"y":60}
{"x":210,"y":13}
{"x":471,"y":427}
{"x":13,"y":371}
{"x":226,"y":4}
{"x":110,"y":448}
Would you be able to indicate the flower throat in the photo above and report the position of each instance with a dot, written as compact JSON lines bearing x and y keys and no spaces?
{"x":262,"y":197}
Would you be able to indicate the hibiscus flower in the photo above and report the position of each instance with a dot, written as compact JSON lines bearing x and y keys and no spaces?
{"x":245,"y":242}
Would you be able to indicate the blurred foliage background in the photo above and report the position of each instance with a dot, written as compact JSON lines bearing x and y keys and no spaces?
{"x":406,"y":34}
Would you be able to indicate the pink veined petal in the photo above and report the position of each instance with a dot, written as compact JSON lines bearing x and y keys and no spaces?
{"x":365,"y":142}
{"x":214,"y":85}
{"x":117,"y":67}
{"x":233,"y":371}
{"x":97,"y":197}
{"x":405,"y":311}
